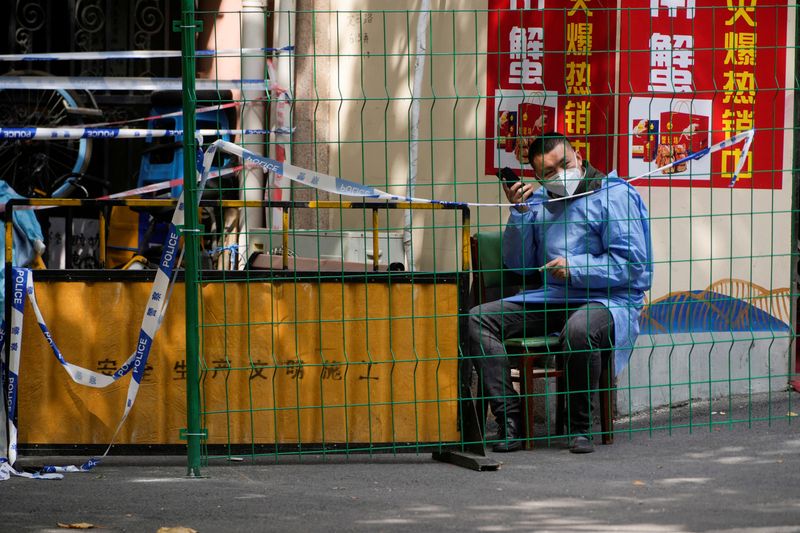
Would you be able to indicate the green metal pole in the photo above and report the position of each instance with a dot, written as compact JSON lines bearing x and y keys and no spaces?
{"x":193,"y":429}
{"x":794,"y":280}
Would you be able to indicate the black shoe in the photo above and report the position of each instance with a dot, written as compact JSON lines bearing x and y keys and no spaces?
{"x":511,"y":436}
{"x":581,"y":444}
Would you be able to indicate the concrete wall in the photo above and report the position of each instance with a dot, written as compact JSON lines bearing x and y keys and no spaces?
{"x":670,"y":369}
{"x":369,"y":105}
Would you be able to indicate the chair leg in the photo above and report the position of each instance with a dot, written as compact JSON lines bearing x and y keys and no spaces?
{"x":561,"y":404}
{"x":607,"y":403}
{"x":526,"y":388}
{"x":483,"y":407}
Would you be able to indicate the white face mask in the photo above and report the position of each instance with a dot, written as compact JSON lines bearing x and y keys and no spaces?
{"x":566,"y":181}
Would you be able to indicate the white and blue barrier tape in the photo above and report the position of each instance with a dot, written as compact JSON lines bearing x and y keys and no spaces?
{"x":325,"y":182}
{"x":20,"y":292}
{"x":138,"y":191}
{"x":199,"y":110}
{"x":54,"y":134}
{"x":344,"y":187}
{"x":96,"y":83}
{"x":22,"y":288}
{"x":7,"y":470}
{"x":140,"y":54}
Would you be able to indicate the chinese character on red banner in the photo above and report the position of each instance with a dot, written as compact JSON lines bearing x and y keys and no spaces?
{"x":543,"y":63}
{"x":702,"y":72}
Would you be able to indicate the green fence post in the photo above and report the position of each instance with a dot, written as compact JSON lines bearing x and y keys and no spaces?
{"x":193,"y":429}
{"x":794,"y":244}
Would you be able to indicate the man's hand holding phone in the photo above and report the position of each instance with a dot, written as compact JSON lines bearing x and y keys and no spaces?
{"x":516,"y":191}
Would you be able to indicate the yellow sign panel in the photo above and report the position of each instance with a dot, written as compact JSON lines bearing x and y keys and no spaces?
{"x":281,"y":362}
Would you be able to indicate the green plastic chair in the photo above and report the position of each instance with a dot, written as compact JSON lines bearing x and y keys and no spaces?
{"x":535,"y":355}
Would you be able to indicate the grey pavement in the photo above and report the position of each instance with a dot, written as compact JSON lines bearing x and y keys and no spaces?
{"x":739,"y":477}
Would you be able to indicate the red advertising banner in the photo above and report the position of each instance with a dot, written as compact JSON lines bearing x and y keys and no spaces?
{"x":551,"y":67}
{"x":694,"y":72}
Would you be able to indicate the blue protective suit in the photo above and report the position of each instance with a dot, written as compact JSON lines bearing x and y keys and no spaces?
{"x":605,"y":237}
{"x":28,"y":239}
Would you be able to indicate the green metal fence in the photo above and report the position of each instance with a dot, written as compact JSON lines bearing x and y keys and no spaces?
{"x":342,"y":327}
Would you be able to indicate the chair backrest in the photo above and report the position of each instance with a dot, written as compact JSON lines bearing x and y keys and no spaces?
{"x":490,"y":279}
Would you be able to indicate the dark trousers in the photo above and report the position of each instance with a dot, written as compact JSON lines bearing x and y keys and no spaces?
{"x":585,"y":332}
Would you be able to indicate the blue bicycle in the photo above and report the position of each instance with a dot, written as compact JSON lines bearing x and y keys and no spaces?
{"x":32,"y":167}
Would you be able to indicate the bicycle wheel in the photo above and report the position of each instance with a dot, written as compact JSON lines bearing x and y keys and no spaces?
{"x":31,"y":166}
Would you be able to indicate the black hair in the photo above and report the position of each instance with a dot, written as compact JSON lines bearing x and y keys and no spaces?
{"x":546,"y":142}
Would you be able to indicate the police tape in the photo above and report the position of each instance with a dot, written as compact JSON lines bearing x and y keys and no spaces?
{"x":311,"y":178}
{"x":336,"y":185}
{"x":140,"y":54}
{"x":199,"y":110}
{"x":22,"y":287}
{"x":746,"y":136}
{"x":7,"y":470}
{"x":340,"y":186}
{"x":65,"y":134}
{"x":207,"y":109}
{"x":750,"y":134}
{"x":85,"y":467}
{"x":162,"y":185}
{"x":281,"y":110}
{"x":99,"y":83}
{"x":138,"y":191}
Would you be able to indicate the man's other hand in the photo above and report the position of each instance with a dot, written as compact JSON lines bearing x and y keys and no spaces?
{"x":518,"y":193}
{"x":559,"y":268}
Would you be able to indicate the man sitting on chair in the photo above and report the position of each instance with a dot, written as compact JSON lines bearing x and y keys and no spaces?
{"x":589,"y":236}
